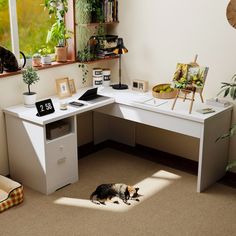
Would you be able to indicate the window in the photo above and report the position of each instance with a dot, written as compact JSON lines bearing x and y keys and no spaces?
{"x":33,"y":25}
{"x":5,"y":35}
{"x":28,"y":32}
{"x":24,"y":26}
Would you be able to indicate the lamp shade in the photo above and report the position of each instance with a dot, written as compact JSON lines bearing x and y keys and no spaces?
{"x":120,"y":48}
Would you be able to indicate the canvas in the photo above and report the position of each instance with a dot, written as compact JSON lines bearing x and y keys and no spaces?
{"x":189,"y":77}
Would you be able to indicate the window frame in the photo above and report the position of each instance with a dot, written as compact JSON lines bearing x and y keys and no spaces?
{"x":14,"y":29}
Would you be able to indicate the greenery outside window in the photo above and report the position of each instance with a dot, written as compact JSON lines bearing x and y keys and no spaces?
{"x":33,"y":25}
{"x":5,"y":31}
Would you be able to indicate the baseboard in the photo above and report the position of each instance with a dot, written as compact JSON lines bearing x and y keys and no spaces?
{"x":89,"y":148}
{"x":229,"y":179}
{"x":154,"y":155}
{"x":157,"y":156}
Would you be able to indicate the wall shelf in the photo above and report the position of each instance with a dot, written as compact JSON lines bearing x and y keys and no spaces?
{"x":96,"y":24}
{"x":99,"y":60}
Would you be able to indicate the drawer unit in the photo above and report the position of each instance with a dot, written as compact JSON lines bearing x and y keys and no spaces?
{"x":61,"y":162}
{"x":38,"y":162}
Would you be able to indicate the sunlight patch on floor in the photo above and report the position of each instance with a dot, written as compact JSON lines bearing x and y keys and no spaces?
{"x":147,"y":188}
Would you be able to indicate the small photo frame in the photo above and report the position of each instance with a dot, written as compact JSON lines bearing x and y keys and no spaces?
{"x":72,"y":86}
{"x":63,"y":88}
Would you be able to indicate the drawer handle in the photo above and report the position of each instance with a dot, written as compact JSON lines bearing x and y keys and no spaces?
{"x":61,"y":160}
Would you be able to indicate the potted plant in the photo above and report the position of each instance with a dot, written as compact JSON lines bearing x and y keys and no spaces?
{"x":45,"y":55}
{"x":30,"y":77}
{"x":229,"y":89}
{"x":36,"y":60}
{"x":58,"y":34}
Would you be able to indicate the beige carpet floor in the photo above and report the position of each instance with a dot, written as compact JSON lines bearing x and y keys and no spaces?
{"x":169,"y":204}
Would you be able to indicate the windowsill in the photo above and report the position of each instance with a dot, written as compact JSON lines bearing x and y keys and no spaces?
{"x":54,"y":64}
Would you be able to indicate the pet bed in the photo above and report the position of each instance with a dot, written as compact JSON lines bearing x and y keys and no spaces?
{"x":11,"y":193}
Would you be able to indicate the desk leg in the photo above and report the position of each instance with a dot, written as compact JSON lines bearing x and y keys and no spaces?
{"x":213,"y":156}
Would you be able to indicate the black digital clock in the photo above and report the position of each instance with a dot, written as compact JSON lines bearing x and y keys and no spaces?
{"x":44,"y":107}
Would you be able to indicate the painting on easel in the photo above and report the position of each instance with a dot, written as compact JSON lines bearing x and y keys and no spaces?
{"x":189,"y":78}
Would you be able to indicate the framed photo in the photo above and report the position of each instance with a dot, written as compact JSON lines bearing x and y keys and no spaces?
{"x":72,"y":86}
{"x":63,"y":88}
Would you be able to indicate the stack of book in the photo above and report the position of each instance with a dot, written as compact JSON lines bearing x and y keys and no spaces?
{"x":110,"y":9}
{"x":105,"y":54}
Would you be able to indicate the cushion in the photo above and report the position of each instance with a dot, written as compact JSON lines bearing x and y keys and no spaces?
{"x":11,"y":193}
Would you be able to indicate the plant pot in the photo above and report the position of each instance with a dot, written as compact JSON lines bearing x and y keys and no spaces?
{"x":29,"y":99}
{"x":61,"y":54}
{"x":36,"y":61}
{"x":46,"y":60}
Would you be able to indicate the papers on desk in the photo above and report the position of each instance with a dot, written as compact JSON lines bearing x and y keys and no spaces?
{"x":153,"y":102}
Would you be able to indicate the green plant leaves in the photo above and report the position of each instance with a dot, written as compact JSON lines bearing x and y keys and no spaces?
{"x":229,"y":88}
{"x":30,"y":77}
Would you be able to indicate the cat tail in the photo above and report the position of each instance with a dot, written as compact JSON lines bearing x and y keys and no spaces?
{"x":92,"y":196}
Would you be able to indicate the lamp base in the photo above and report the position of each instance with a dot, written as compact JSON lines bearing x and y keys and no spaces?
{"x":119,"y":86}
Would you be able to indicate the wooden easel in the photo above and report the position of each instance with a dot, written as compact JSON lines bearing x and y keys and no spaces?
{"x":189,"y":90}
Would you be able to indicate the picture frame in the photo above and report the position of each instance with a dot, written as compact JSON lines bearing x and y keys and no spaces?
{"x":63,"y":87}
{"x":72,"y":86}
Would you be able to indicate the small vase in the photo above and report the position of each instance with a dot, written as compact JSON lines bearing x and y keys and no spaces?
{"x":36,"y":61}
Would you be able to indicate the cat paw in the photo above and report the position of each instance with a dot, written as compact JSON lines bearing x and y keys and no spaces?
{"x":127,"y":203}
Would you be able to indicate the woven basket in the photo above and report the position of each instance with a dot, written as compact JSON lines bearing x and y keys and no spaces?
{"x":165,"y":95}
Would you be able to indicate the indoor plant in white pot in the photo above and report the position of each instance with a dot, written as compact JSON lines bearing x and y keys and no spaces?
{"x":30,"y":77}
{"x":45,"y":55}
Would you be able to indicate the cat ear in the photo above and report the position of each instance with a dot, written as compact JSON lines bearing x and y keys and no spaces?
{"x":136,"y":189}
{"x":129,"y":188}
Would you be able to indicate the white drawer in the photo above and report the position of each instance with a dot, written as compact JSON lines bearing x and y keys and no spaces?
{"x":61,"y":162}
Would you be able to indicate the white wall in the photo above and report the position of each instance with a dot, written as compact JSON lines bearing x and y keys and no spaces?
{"x":161,"y":33}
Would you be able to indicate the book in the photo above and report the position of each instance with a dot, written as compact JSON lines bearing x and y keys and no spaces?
{"x":205,"y":110}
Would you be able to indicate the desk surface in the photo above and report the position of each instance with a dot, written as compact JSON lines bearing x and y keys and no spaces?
{"x":128,"y":97}
{"x":29,"y":114}
{"x":147,"y":102}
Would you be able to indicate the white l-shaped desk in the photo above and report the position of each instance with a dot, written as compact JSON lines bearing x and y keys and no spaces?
{"x":46,"y":165}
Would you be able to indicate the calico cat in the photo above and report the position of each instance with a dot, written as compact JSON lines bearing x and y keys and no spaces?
{"x":106,"y":192}
{"x":8,"y":61}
